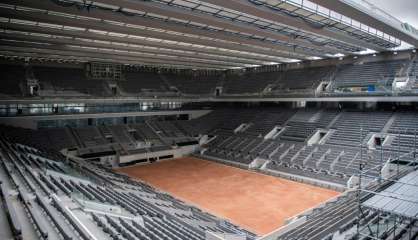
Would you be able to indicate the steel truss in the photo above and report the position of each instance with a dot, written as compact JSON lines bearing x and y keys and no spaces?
{"x":378,"y":223}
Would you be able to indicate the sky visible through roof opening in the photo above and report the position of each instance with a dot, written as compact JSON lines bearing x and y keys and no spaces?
{"x":404,"y":10}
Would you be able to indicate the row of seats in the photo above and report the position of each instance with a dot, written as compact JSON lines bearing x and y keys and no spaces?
{"x":305,"y":122}
{"x":337,"y":156}
{"x":405,"y":123}
{"x":194,"y":84}
{"x":353,"y":127}
{"x":61,"y":80}
{"x":339,"y":217}
{"x":13,"y":77}
{"x":67,"y":81}
{"x":336,"y":159}
{"x":244,"y":83}
{"x":243,"y":149}
{"x":298,"y":131}
{"x":92,"y":137}
{"x":137,"y":81}
{"x":365,"y":74}
{"x":167,"y":129}
{"x":41,"y":171}
{"x":265,"y":121}
{"x":137,"y":211}
{"x":302,"y":79}
{"x":327,"y":162}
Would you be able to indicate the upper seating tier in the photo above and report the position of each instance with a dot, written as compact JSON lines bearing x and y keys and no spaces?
{"x":13,"y":76}
{"x":62,"y":80}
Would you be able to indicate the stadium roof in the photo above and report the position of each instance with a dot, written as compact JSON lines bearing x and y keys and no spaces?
{"x":205,"y":34}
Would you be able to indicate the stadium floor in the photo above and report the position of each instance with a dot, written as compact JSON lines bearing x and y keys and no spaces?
{"x":257,"y":202}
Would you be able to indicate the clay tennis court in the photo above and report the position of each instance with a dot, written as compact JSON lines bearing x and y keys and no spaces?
{"x":257,"y":202}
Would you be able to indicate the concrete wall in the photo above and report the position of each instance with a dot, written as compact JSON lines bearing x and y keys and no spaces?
{"x":178,"y":152}
{"x":307,"y":180}
{"x":219,"y":236}
{"x":31,"y":121}
{"x":292,"y":225}
{"x":19,"y":122}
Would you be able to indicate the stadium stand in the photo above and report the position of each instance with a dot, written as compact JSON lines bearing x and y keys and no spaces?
{"x":405,"y":123}
{"x":144,"y":133}
{"x":298,"y":131}
{"x":315,"y":92}
{"x":194,"y":84}
{"x":73,"y":81}
{"x":142,"y":211}
{"x":121,"y":134}
{"x":70,"y":81}
{"x":61,"y":137}
{"x":163,"y":215}
{"x":138,"y":81}
{"x":336,"y":159}
{"x":303,"y":79}
{"x":240,"y":137}
{"x":89,"y":136}
{"x":13,"y":77}
{"x":338,"y":215}
{"x":166,"y":129}
{"x":265,"y":121}
{"x":353,"y":127}
{"x":413,"y":74}
{"x":248,"y":82}
{"x":366,"y":74}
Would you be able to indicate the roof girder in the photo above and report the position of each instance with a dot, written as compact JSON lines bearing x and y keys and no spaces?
{"x":266,"y":13}
{"x":22,"y":37}
{"x":48,"y":6}
{"x":81,"y":23}
{"x":68,"y":57}
{"x":160,"y":9}
{"x":358,"y":15}
{"x":100,"y":37}
{"x":8,"y":45}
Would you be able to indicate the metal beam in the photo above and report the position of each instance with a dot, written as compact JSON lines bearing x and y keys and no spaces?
{"x":151,"y":53}
{"x":102,"y":26}
{"x":275,"y":16}
{"x":172,"y":12}
{"x":54,"y":57}
{"x":70,"y":51}
{"x":281,"y":51}
{"x":57,"y":55}
{"x":359,"y":13}
{"x":247,"y":58}
{"x":137,"y":55}
{"x":32,"y":100}
{"x":61,"y":57}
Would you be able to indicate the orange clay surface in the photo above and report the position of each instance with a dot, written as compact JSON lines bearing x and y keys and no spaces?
{"x":257,"y":202}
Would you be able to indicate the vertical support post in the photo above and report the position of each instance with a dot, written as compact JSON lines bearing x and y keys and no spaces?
{"x":410,"y":231}
{"x":399,"y":153}
{"x":381,"y":160}
{"x":359,"y":183}
{"x":378,"y":225}
{"x":394,"y":227}
{"x":415,"y":148}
